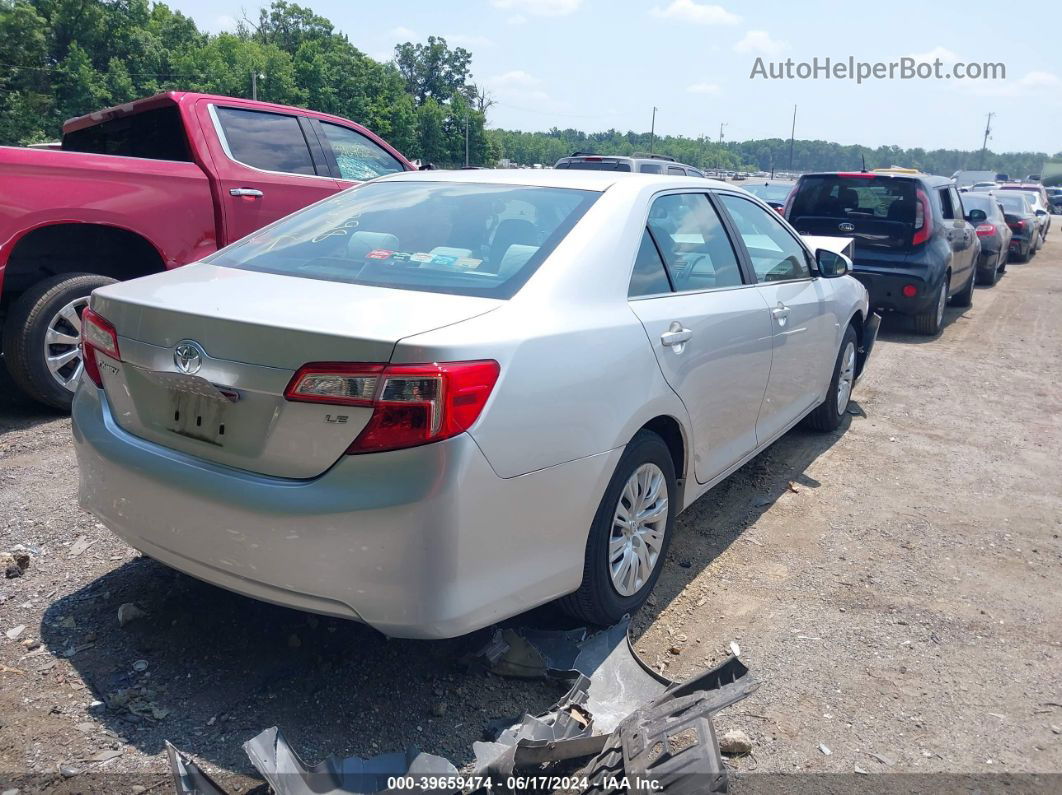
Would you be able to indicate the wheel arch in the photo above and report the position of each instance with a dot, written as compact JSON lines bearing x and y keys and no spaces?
{"x":56,"y":247}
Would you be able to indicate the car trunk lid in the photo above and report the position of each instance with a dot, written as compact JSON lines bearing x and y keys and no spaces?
{"x":207,"y":351}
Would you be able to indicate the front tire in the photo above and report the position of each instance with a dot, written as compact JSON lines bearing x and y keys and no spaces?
{"x":829,"y":414}
{"x":630,"y":534}
{"x":42,"y":335}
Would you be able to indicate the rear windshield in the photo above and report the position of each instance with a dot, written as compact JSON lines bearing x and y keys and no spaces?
{"x":770,"y":193}
{"x":443,"y":237}
{"x":978,"y":201}
{"x":1013,"y":203}
{"x":856,"y":198}
{"x":595,"y":165}
{"x":154,"y":134}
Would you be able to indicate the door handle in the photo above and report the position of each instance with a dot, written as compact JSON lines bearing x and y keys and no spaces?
{"x":780,"y":313}
{"x":676,"y":337}
{"x":245,"y":192}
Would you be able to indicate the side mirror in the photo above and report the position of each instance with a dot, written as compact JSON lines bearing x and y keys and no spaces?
{"x":831,"y":264}
{"x":1041,"y":212}
{"x":977,"y":217}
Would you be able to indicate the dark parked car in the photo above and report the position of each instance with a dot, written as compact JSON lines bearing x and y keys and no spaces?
{"x":640,"y":163}
{"x":1021,"y":218}
{"x":772,"y":191}
{"x":914,"y":248}
{"x":1054,"y":195}
{"x":986,"y":215}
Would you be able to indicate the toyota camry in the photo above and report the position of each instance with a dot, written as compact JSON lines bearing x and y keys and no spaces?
{"x":439,"y":399}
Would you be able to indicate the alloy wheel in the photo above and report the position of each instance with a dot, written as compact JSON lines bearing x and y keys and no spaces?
{"x":638,"y":526}
{"x":846,"y":377}
{"x":62,"y":344}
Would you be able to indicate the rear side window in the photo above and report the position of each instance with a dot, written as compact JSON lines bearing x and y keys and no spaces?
{"x":457,"y":238}
{"x":649,"y":277}
{"x":696,"y":249}
{"x":676,"y":170}
{"x":651,"y":168}
{"x":776,"y":255}
{"x":269,"y":141}
{"x":357,"y":156}
{"x":153,"y":134}
{"x":946,"y":206}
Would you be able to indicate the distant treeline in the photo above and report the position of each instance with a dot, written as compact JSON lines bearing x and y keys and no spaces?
{"x":759,"y":155}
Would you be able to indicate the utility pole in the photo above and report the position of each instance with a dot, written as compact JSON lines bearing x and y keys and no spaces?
{"x":984,"y":145}
{"x":466,"y":140}
{"x":652,"y":131}
{"x":792,"y":139}
{"x":722,"y":124}
{"x":254,"y":84}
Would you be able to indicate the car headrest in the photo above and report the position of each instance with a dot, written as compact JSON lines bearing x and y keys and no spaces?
{"x":516,"y":256}
{"x":361,"y":243}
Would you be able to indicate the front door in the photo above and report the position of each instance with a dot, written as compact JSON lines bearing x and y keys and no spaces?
{"x":265,"y":170}
{"x":804,"y":325}
{"x":709,"y":327}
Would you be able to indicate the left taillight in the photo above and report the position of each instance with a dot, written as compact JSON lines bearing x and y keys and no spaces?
{"x":97,"y":334}
{"x":412,"y":404}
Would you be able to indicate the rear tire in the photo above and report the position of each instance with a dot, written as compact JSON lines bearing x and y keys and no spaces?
{"x":26,"y":349}
{"x":598,"y":601}
{"x":829,"y":414}
{"x":931,"y":321}
{"x":964,"y":297}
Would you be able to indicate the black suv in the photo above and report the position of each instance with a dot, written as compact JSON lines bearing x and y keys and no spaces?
{"x":914,"y":246}
{"x":640,"y":163}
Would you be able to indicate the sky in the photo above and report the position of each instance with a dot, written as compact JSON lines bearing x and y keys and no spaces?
{"x":600,"y":64}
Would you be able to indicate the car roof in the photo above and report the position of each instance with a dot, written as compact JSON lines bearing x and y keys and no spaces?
{"x":929,"y":179}
{"x":576,"y":179}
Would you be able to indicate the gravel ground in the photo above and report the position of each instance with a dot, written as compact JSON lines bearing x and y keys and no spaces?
{"x":895,"y":586}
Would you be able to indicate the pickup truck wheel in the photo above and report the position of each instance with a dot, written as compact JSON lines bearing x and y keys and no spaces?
{"x":964,"y":297}
{"x":630,"y":535}
{"x":829,"y":414}
{"x":42,"y":337}
{"x":931,"y":321}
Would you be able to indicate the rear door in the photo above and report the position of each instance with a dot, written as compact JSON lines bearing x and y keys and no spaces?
{"x":804,"y":321}
{"x":960,"y":236}
{"x":708,"y":326}
{"x":268,"y":165}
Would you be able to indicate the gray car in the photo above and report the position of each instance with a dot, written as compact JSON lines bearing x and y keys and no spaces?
{"x":439,"y":399}
{"x":638,"y":163}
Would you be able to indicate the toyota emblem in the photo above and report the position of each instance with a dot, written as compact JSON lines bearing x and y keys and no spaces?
{"x":188,"y":357}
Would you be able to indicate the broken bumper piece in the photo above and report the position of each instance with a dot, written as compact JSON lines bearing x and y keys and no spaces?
{"x":638,"y":729}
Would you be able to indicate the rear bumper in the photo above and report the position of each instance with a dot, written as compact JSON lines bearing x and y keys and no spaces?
{"x":885,"y":288}
{"x":425,"y":543}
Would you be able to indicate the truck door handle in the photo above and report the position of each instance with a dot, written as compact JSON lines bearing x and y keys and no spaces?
{"x":245,"y":192}
{"x":676,"y":336}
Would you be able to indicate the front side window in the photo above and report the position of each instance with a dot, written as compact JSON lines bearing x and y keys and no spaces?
{"x":269,"y":141}
{"x":776,"y":255}
{"x":358,"y":157}
{"x":695,"y":246}
{"x":458,"y":238}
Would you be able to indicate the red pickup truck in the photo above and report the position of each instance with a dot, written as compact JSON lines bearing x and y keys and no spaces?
{"x":147,"y":186}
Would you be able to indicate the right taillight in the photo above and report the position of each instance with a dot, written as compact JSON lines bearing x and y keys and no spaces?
{"x":97,"y":334}
{"x":923,"y":220}
{"x":412,"y":404}
{"x":985,"y":230}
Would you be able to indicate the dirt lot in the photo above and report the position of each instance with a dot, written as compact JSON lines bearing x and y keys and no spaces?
{"x":901,"y":601}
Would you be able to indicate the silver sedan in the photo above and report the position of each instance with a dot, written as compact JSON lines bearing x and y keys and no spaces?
{"x":440,"y":399}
